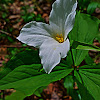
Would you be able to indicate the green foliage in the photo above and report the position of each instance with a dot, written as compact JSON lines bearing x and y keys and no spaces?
{"x":83,"y":22}
{"x":27,"y":16}
{"x":6,"y":1}
{"x":27,"y":57}
{"x":68,"y":83}
{"x":92,"y":6}
{"x":4,"y":15}
{"x":84,"y":46}
{"x":89,"y":60}
{"x":88,"y":79}
{"x":89,"y":5}
{"x":32,"y":17}
{"x":25,"y":74}
{"x":98,"y":37}
{"x":4,"y":18}
{"x":16,"y":96}
{"x":90,"y":25}
{"x":4,"y":36}
{"x":83,"y":4}
{"x":28,"y":79}
{"x":69,"y":60}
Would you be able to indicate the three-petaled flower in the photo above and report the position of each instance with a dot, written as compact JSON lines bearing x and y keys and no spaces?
{"x":51,"y":39}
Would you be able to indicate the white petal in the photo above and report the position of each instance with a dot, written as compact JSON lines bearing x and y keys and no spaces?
{"x":64,"y":48}
{"x":60,"y":11}
{"x":51,"y":53}
{"x":69,"y":23}
{"x":34,"y":34}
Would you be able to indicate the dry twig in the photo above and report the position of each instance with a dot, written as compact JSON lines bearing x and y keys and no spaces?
{"x":13,"y":46}
{"x":7,"y":34}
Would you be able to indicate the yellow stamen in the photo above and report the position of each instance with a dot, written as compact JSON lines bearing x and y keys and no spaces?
{"x":60,"y":38}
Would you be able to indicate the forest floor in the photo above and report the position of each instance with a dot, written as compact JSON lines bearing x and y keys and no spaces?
{"x":12,"y":18}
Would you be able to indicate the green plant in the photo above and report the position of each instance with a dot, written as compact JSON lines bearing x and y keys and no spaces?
{"x":27,"y":16}
{"x":89,"y":5}
{"x":24,"y":71}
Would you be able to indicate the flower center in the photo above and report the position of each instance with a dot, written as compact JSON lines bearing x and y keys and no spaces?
{"x":60,"y":38}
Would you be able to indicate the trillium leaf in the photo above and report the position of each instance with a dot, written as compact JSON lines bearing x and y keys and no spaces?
{"x":69,"y":83}
{"x":26,"y":57}
{"x":90,"y":79}
{"x":69,"y":60}
{"x":89,"y":60}
{"x":16,"y":96}
{"x":85,"y":30}
{"x":84,"y":46}
{"x":84,"y":22}
{"x":79,"y":56}
{"x":27,"y":79}
{"x":85,"y":95}
{"x":98,"y":37}
{"x":39,"y":91}
{"x":92,"y":6}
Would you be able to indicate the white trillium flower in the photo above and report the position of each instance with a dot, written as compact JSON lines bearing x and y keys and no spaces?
{"x":51,"y":39}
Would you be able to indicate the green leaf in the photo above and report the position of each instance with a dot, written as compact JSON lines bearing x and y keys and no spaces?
{"x":27,"y":79}
{"x":83,"y":92}
{"x":68,"y":83}
{"x":91,"y":7}
{"x":16,"y":96}
{"x":83,"y":3}
{"x":4,"y":15}
{"x":98,"y":37}
{"x":68,"y":62}
{"x":84,"y":46}
{"x":85,"y":30}
{"x":89,"y":60}
{"x":39,"y":91}
{"x":27,"y":57}
{"x":79,"y":56}
{"x":90,"y":80}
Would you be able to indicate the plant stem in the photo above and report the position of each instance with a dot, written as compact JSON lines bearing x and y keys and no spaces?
{"x":74,"y":69}
{"x":72,"y":57}
{"x":3,"y":94}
